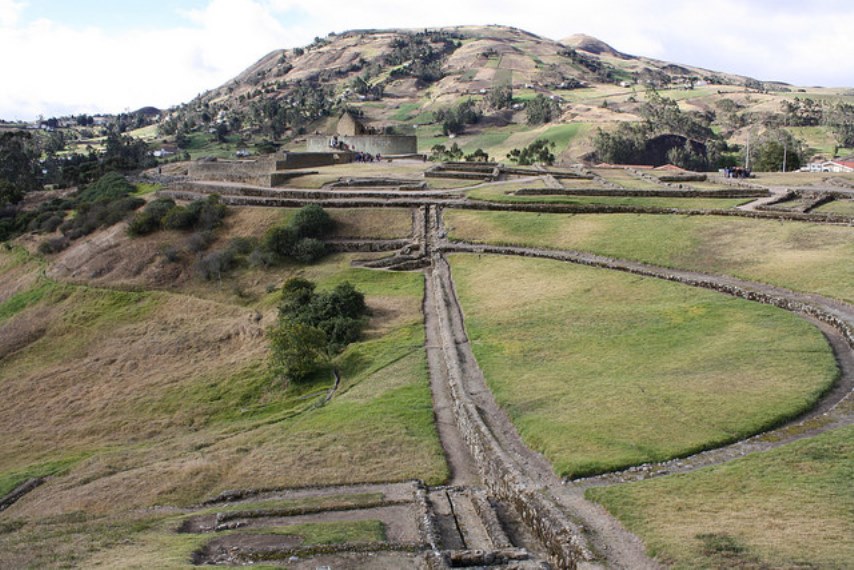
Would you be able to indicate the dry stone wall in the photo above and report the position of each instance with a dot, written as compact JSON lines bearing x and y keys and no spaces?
{"x":498,"y":470}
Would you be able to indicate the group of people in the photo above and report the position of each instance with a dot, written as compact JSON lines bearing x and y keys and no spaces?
{"x":366,"y":157}
{"x":359,"y":156}
{"x":736,"y":172}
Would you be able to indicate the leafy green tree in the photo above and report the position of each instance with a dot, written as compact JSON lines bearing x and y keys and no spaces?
{"x":297,"y":349}
{"x":314,"y":326}
{"x":542,"y":109}
{"x":312,"y":221}
{"x":501,"y":96}
{"x":622,"y":146}
{"x":538,"y":152}
{"x":19,"y":166}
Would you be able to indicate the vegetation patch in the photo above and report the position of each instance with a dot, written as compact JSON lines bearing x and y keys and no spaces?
{"x":785,"y":508}
{"x":602,"y":370}
{"x":800,"y":256}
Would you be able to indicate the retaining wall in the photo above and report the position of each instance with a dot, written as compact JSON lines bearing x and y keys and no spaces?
{"x":296,"y":160}
{"x":723,"y":193}
{"x":498,"y":471}
{"x":244,"y":171}
{"x":373,"y":144}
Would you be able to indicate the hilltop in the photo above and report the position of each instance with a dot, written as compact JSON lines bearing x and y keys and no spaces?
{"x":409,"y":80}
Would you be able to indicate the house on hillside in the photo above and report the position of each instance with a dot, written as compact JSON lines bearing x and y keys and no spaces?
{"x":839,"y":166}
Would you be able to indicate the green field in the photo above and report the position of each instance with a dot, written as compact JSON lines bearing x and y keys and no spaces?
{"x":787,"y":508}
{"x":602,"y":370}
{"x":499,"y":193}
{"x":800,"y":256}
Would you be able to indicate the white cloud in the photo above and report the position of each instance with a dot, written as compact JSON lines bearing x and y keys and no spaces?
{"x":60,"y":69}
{"x":10,"y":13}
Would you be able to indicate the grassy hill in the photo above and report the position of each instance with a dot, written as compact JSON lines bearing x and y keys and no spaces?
{"x":400,"y":79}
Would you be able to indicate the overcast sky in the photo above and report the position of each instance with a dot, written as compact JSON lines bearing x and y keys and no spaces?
{"x":61,"y":57}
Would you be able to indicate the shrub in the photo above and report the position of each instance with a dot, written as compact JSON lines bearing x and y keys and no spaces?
{"x":308,"y":250}
{"x":312,"y":221}
{"x":313,"y":326}
{"x":179,"y":218}
{"x":53,"y":245}
{"x":538,"y":151}
{"x":242,"y":245}
{"x":280,"y":240}
{"x":143,"y":223}
{"x":199,"y":241}
{"x":215,"y":264}
{"x":111,"y":186}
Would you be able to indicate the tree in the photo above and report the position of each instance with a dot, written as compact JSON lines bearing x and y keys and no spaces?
{"x":538,"y":152}
{"x":767,"y":154}
{"x":314,"y":326}
{"x":19,"y":166}
{"x":501,"y":96}
{"x":542,"y":109}
{"x":297,"y":349}
{"x":312,"y":221}
{"x":479,"y":155}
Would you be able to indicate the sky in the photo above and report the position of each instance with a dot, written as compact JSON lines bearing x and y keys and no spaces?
{"x":61,"y":57}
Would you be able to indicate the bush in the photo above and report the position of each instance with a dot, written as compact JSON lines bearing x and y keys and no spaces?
{"x":53,"y":245}
{"x":299,"y":239}
{"x":242,"y":245}
{"x":215,"y":264}
{"x":200,"y":241}
{"x":538,"y":152}
{"x":143,"y":223}
{"x":312,"y":221}
{"x":111,"y":186}
{"x":308,"y":250}
{"x":179,"y":218}
{"x":280,"y":240}
{"x":313,"y":326}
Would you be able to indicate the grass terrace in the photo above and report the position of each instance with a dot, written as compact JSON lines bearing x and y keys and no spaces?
{"x":804,"y":257}
{"x":601,"y":370}
{"x":787,"y":508}
{"x":841,"y":207}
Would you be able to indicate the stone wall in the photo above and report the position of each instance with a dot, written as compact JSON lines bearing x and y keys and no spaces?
{"x":373,"y":144}
{"x":722,"y":193}
{"x":499,"y":472}
{"x":311,"y":159}
{"x":241,"y":171}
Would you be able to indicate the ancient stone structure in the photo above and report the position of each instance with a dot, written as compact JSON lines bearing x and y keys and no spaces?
{"x":351,"y":134}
